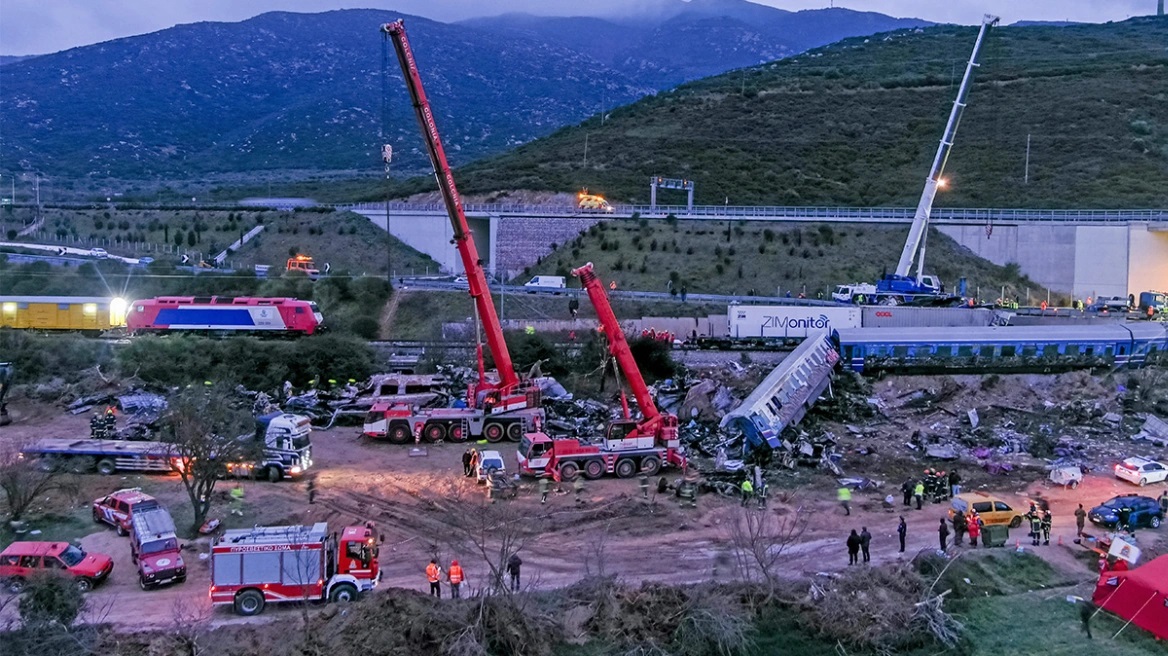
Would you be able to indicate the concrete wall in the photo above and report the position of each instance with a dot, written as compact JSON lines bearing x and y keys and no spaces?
{"x":430,"y":233}
{"x":525,"y":239}
{"x":1046,"y":253}
{"x":1147,"y":258}
{"x":1101,"y":261}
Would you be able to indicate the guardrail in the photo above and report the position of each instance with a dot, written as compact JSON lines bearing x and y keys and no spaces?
{"x":776,"y":212}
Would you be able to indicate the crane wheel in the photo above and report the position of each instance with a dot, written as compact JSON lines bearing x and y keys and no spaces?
{"x":625,"y":468}
{"x":434,"y":433}
{"x":399,"y":433}
{"x":457,"y":434}
{"x":568,"y":471}
{"x":494,"y":432}
{"x":650,"y":466}
{"x":515,"y":431}
{"x":594,"y":469}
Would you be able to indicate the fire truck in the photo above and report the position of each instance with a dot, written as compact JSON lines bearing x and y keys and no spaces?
{"x":629,"y":446}
{"x":252,"y":567}
{"x":497,"y":400}
{"x":400,"y":423}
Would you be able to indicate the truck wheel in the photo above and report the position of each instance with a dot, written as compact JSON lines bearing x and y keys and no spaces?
{"x":399,"y":433}
{"x":81,"y":464}
{"x":515,"y":431}
{"x":625,"y":468}
{"x":434,"y":432}
{"x":568,"y":471}
{"x":249,"y":602}
{"x":494,"y":432}
{"x":83,"y":584}
{"x":343,"y":593}
{"x":107,"y":467}
{"x":594,"y":469}
{"x":650,"y":465}
{"x":457,"y":434}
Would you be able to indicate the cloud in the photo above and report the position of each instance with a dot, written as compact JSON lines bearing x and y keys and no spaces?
{"x":42,"y":26}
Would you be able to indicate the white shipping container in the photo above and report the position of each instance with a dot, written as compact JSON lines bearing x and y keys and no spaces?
{"x":897,"y":316}
{"x":789,"y":320}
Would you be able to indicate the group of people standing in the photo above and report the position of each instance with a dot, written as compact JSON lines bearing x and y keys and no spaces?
{"x":935,"y":486}
{"x":455,"y":576}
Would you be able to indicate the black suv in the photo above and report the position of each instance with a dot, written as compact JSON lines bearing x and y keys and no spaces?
{"x":1140,"y":511}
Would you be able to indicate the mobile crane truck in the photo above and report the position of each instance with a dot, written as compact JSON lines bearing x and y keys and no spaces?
{"x":504,"y":406}
{"x":629,"y":446}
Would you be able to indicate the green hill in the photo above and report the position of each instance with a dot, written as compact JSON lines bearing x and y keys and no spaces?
{"x":857,"y":123}
{"x":768,"y":258}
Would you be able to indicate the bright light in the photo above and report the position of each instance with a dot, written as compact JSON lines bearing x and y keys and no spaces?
{"x":89,"y":309}
{"x":9,"y":308}
{"x":118,"y":312}
{"x":942,"y":183}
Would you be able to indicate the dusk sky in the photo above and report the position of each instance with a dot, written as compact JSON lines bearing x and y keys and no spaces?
{"x":40,"y":26}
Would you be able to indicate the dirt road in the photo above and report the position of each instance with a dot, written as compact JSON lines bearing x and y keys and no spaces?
{"x":419,"y":503}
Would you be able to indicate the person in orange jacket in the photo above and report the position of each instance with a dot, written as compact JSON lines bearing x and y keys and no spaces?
{"x":434,"y":576}
{"x":456,"y":577}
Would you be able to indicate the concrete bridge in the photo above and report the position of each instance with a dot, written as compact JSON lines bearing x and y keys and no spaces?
{"x":1082,"y":252}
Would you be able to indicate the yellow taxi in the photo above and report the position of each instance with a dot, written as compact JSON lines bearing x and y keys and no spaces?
{"x":992,"y":509}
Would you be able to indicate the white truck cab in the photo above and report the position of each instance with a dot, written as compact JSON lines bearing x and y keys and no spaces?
{"x":545,"y":282}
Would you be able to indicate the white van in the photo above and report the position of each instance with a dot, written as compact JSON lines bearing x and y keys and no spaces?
{"x":545,"y":282}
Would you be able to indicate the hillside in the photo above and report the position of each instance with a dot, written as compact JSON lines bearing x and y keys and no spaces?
{"x":767,"y":258}
{"x":857,"y":123}
{"x":302,"y":94}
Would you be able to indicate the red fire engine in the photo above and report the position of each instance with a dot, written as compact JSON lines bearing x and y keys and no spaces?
{"x":629,"y":446}
{"x":251,"y":567}
{"x":499,"y":406}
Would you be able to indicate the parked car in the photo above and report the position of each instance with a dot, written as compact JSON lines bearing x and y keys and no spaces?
{"x":489,"y":463}
{"x":1141,"y":471}
{"x":1141,"y":511}
{"x":117,"y":508}
{"x":21,"y":560}
{"x":992,"y":510}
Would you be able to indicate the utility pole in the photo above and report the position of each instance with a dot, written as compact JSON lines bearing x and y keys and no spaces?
{"x":1026,"y":176}
{"x":585,"y":150}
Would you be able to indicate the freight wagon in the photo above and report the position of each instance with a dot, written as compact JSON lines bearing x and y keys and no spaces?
{"x":772,"y":327}
{"x":62,"y":313}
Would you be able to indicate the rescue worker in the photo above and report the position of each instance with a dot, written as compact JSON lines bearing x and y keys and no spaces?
{"x":543,"y":489}
{"x":1035,"y":527}
{"x":762,"y":495}
{"x":236,"y":494}
{"x":747,"y":490}
{"x":466,"y":470}
{"x":644,"y":483}
{"x":1047,"y":520}
{"x":310,"y":487}
{"x":902,"y":532}
{"x":513,"y":565}
{"x":974,"y":525}
{"x":1163,"y":502}
{"x":434,"y":576}
{"x":907,"y":489}
{"x":1081,"y":518}
{"x":959,"y":526}
{"x":455,"y":576}
{"x":844,"y":495}
{"x":865,"y":543}
{"x":492,"y":487}
{"x":110,"y":424}
{"x":919,"y":493}
{"x":954,"y":483}
{"x":578,"y":488}
{"x":687,"y":490}
{"x":853,"y":548}
{"x":943,"y":534}
{"x":474,"y":460}
{"x":96,"y":427}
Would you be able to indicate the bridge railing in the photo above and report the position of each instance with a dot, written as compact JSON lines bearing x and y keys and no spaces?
{"x":771,"y":212}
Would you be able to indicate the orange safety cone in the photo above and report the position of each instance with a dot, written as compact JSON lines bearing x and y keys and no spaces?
{"x":1060,"y":540}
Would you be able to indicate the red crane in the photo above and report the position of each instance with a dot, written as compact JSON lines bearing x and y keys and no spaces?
{"x":506,"y":394}
{"x":629,"y":446}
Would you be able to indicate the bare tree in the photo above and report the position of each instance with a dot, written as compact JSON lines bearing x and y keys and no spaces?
{"x":201,"y":428}
{"x":760,"y":538}
{"x":189,"y":625}
{"x":23,"y":482}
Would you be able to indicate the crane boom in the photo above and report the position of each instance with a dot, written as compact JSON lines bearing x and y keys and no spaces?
{"x":920,"y":224}
{"x":617,"y":344}
{"x":463,"y":240}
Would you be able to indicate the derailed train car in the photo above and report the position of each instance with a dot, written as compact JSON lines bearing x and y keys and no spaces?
{"x":1001,"y":348}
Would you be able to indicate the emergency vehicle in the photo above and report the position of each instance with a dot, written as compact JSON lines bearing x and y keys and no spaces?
{"x":21,"y":560}
{"x":154,"y":549}
{"x":252,"y":567}
{"x":117,"y":509}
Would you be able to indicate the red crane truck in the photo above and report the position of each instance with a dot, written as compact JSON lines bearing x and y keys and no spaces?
{"x":505,"y":398}
{"x":251,"y":567}
{"x":629,"y":446}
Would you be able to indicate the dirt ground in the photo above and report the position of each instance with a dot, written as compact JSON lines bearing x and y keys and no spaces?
{"x":416,"y":501}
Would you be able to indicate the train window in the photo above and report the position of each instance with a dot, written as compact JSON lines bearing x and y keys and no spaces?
{"x":62,"y":306}
{"x":964,"y":351}
{"x":1050,"y":350}
{"x":900,"y":351}
{"x":848,"y":352}
{"x":22,"y":306}
{"x":1029,"y":351}
{"x":1009,"y":351}
{"x":202,"y":299}
{"x":944,"y":351}
{"x":1109,"y":350}
{"x":1088,"y":350}
{"x":299,"y":310}
{"x":987,"y":352}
